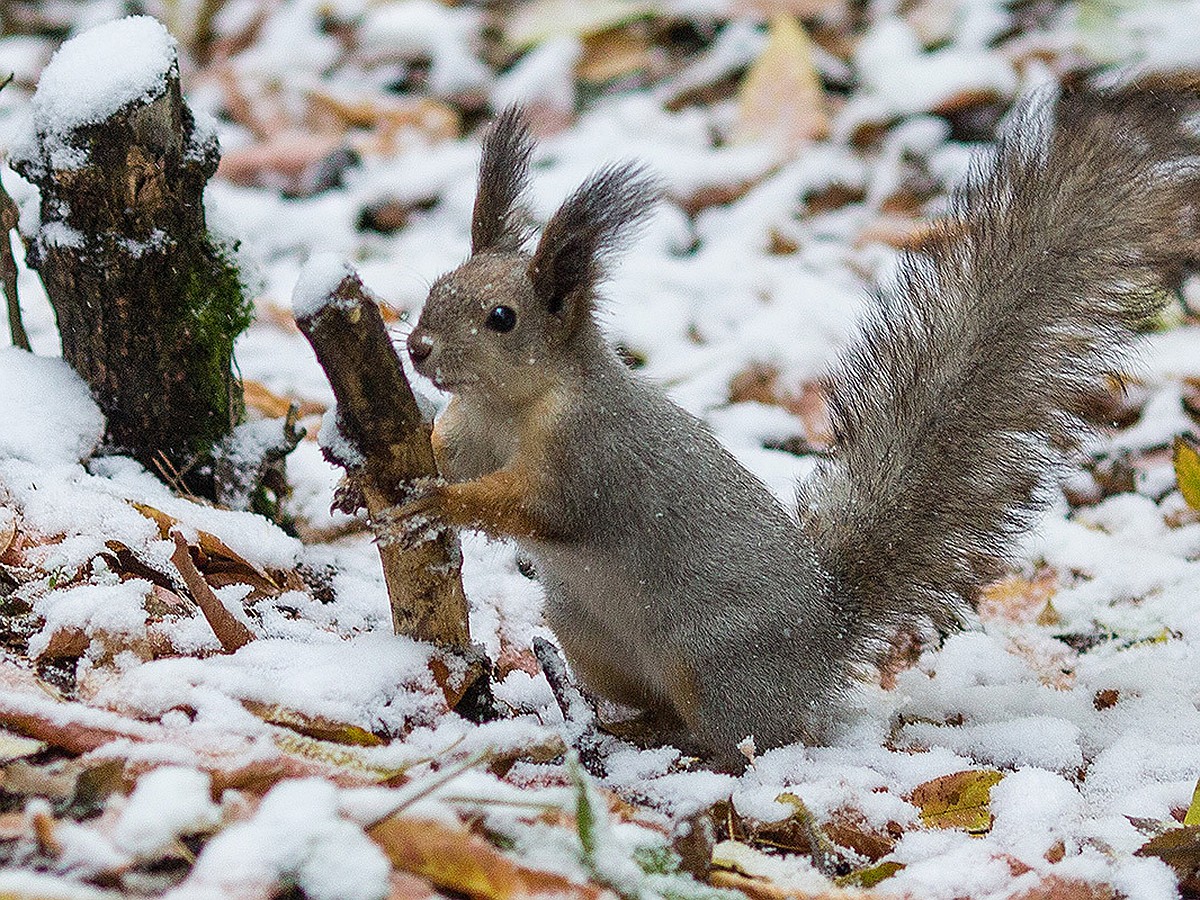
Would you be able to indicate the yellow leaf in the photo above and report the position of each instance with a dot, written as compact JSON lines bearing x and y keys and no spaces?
{"x":1193,"y":813}
{"x":313,"y":726}
{"x":958,"y":801}
{"x":1187,"y":471}
{"x":781,"y":98}
{"x":871,"y":875}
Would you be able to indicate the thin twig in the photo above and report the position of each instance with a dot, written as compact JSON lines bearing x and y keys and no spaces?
{"x":8,"y":268}
{"x":232,"y":634}
{"x":582,"y":728}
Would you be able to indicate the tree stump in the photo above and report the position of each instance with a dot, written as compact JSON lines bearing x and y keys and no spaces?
{"x":148,"y":304}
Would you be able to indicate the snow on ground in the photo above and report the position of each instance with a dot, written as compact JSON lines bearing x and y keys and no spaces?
{"x":1088,"y":702}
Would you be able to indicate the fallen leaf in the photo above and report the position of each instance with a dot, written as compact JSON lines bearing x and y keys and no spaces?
{"x":849,"y":828}
{"x":8,"y":528}
{"x":1020,"y":599}
{"x":1179,"y":848}
{"x":454,"y":859}
{"x":871,"y":875}
{"x":1187,"y":470}
{"x":287,"y":160}
{"x":615,"y":53}
{"x":313,"y":726}
{"x":1055,"y":887}
{"x":16,"y":746}
{"x":958,"y":801}
{"x":781,"y":98}
{"x":1192,"y":816}
{"x":533,"y":23}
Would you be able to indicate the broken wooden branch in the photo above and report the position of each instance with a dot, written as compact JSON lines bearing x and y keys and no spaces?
{"x":232,"y":633}
{"x":382,"y":441}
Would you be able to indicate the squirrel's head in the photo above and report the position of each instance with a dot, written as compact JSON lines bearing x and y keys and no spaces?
{"x":506,"y":322}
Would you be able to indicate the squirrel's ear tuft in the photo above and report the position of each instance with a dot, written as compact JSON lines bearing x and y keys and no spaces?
{"x":499,"y":221}
{"x":593,"y":223}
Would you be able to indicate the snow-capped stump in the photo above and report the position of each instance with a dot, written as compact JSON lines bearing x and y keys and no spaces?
{"x":148,"y":303}
{"x":380,"y":437}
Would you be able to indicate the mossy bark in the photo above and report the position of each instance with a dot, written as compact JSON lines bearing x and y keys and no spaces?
{"x":148,"y":304}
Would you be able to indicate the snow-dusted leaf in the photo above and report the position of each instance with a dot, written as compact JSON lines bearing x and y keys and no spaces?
{"x":1020,"y":599}
{"x":456,"y":860}
{"x":781,"y":98}
{"x":312,"y":726}
{"x":1187,"y":470}
{"x":532,"y":23}
{"x":1179,"y":848}
{"x":959,"y":800}
{"x":17,"y":746}
{"x":8,"y":528}
{"x":764,"y":875}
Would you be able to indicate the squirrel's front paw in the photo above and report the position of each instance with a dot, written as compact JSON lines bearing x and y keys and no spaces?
{"x":418,"y":520}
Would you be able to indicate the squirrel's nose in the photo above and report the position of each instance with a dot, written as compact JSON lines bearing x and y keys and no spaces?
{"x":419,"y":347}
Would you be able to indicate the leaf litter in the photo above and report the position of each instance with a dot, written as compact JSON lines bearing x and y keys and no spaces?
{"x":1045,"y":754}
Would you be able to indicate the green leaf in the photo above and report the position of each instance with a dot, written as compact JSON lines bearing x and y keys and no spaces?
{"x":871,"y":875}
{"x":958,"y":801}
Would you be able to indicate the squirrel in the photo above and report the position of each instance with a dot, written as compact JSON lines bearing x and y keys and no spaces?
{"x":675,"y":582}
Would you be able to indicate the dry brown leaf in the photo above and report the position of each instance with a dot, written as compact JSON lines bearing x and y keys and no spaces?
{"x":958,"y":801}
{"x":455,"y":860}
{"x":66,"y":643}
{"x":849,"y":828}
{"x":615,"y":53}
{"x":282,"y":160}
{"x":1054,"y":887}
{"x":389,"y":122}
{"x":762,"y":384}
{"x":1020,"y":599}
{"x":405,"y":886}
{"x":804,"y":9}
{"x":1179,"y":848}
{"x":781,"y":98}
{"x":218,"y":557}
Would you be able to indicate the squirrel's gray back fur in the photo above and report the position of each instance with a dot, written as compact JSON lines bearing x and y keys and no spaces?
{"x":675,"y":581}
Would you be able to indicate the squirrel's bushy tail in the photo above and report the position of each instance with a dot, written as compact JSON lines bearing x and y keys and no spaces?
{"x":947,"y":408}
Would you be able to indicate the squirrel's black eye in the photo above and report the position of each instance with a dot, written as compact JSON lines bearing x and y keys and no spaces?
{"x":502,"y":319}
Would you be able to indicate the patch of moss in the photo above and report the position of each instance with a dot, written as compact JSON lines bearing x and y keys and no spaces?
{"x":217,"y":310}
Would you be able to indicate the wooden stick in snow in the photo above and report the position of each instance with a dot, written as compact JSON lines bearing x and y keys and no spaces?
{"x":232,"y":633}
{"x":383,"y":443}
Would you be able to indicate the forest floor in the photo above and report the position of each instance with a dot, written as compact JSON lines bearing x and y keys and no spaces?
{"x":1049,"y":751}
